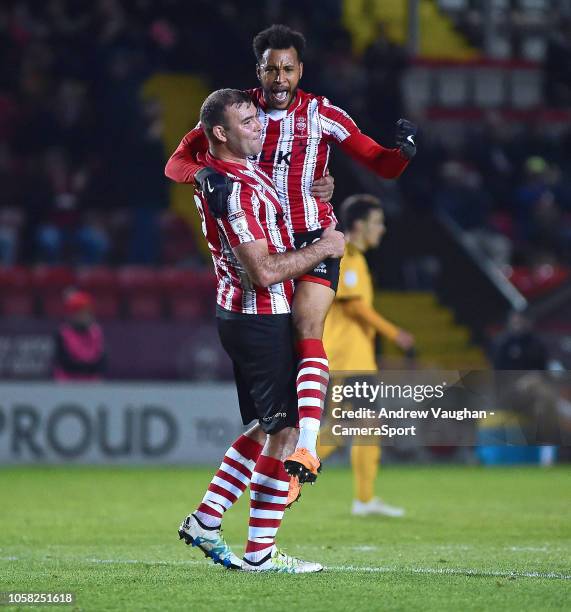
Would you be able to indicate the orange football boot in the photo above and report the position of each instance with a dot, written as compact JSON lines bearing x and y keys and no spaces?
{"x":303,"y":465}
{"x":294,"y":491}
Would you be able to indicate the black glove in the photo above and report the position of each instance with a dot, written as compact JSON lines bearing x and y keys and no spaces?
{"x":216,"y":188}
{"x":406,"y":137}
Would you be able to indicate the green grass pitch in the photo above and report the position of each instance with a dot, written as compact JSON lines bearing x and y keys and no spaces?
{"x":473,"y":539}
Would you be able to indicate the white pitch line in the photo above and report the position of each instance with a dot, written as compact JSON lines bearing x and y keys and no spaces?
{"x":528,"y":549}
{"x":448,"y":570}
{"x":143,"y":562}
{"x":333,"y":568}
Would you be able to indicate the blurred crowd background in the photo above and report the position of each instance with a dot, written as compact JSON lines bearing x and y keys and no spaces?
{"x":83,"y":197}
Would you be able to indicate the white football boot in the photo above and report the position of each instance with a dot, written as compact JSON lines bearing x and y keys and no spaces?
{"x":210,"y":542}
{"x":375,"y":506}
{"x":279,"y":561}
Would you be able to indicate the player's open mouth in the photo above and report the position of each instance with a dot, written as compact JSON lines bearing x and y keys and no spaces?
{"x":280,"y":96}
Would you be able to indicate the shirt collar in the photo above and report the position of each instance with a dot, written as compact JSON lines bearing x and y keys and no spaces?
{"x":225,"y":165}
{"x":296,"y":102}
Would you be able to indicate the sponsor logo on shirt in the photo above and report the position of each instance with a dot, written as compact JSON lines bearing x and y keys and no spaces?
{"x":238,"y":221}
{"x":236,"y":215}
{"x":277,"y":415}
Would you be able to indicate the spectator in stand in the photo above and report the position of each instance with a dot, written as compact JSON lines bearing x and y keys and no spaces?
{"x":148,"y":198}
{"x":463,"y":198}
{"x":541,"y":202}
{"x":523,"y":386}
{"x":67,"y":233}
{"x":70,"y":78}
{"x":557,"y":65}
{"x":80,"y":350}
{"x":385,"y":62}
{"x":343,"y":79}
{"x":519,"y":347}
{"x":492,"y":151}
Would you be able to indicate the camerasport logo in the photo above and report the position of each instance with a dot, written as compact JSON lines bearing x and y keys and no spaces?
{"x":301,"y":125}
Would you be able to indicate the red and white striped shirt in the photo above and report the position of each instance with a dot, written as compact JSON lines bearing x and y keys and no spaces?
{"x":254,"y":213}
{"x":296,"y":147}
{"x":296,"y":151}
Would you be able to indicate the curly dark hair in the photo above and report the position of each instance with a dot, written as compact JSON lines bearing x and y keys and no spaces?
{"x":278,"y":37}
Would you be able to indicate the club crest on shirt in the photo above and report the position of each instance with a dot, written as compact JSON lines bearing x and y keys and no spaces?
{"x":301,"y":125}
{"x":238,"y":221}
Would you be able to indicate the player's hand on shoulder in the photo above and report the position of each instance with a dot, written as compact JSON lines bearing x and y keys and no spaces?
{"x":335,"y":240}
{"x":216,"y":188}
{"x":406,"y":137}
{"x":323,"y":187}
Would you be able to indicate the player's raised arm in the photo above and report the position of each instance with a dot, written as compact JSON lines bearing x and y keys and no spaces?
{"x":265,"y":268}
{"x":183,"y":164}
{"x":388,"y":163}
{"x":187,"y":165}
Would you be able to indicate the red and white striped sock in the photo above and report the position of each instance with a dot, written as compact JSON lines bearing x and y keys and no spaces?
{"x":230,"y":481}
{"x":312,"y":381}
{"x":268,"y":496}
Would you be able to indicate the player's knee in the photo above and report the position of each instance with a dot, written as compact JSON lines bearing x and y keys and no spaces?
{"x":308,"y":325}
{"x":283,"y":435}
{"x":282,"y":443}
{"x":257,"y":433}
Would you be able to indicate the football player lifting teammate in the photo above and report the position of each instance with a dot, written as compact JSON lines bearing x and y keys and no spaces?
{"x":298,"y":129}
{"x":255,"y":262}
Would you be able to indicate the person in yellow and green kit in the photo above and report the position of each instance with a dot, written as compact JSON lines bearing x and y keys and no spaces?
{"x":351,"y":328}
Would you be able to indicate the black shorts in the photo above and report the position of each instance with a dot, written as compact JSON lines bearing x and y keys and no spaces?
{"x":265,"y":365}
{"x":325,"y":273}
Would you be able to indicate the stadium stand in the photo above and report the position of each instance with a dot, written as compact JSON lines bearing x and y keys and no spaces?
{"x":93,"y":98}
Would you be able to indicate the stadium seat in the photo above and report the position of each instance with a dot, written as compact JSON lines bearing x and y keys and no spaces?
{"x":52,"y":277}
{"x":453,"y":5}
{"x":97,"y":278}
{"x":12,"y":221}
{"x":49,"y":285}
{"x":190,"y":293}
{"x":526,"y":88}
{"x":489,"y":87}
{"x":141,"y":292}
{"x":16,"y":296}
{"x":533,"y":282}
{"x":119,"y":224}
{"x":417,"y":87}
{"x":452,"y":87}
{"x":177,"y":239}
{"x":534,"y":48}
{"x":101,"y":283}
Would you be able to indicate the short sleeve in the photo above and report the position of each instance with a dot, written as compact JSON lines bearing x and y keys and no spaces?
{"x":242,"y":222}
{"x":336,"y":124}
{"x":351,"y":278}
